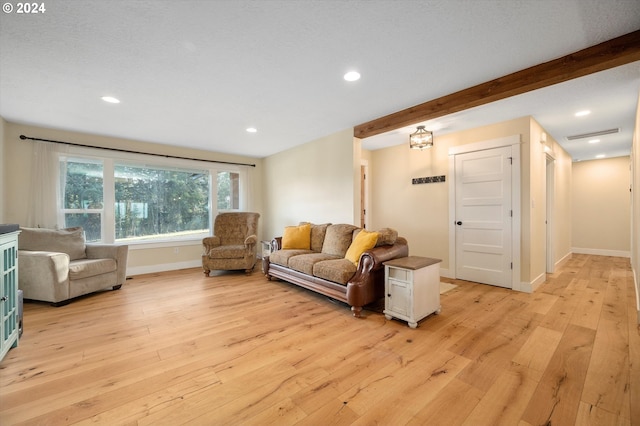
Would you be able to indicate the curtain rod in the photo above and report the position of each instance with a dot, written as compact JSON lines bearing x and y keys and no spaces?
{"x":23,"y":137}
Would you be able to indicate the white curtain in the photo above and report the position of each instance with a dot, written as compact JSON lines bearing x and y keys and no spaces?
{"x":43,"y":191}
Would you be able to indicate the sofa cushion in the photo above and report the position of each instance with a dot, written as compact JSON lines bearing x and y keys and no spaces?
{"x":85,"y":268}
{"x":281,"y":257}
{"x":297,"y":237}
{"x":69,"y":241}
{"x":336,"y":270}
{"x":338,"y":239}
{"x":317,"y":235}
{"x":304,"y":262}
{"x":237,"y":251}
{"x":364,"y":240}
{"x":386,"y":236}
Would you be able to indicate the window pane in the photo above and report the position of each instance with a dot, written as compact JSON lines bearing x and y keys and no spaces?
{"x":82,"y":196}
{"x":83,"y":185}
{"x":154,"y":203}
{"x":90,"y":222}
{"x":228,"y":191}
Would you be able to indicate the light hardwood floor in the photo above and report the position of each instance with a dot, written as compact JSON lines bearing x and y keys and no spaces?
{"x":178,"y":348}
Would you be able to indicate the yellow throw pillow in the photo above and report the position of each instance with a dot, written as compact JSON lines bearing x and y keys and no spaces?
{"x":364,"y":241}
{"x":297,"y":237}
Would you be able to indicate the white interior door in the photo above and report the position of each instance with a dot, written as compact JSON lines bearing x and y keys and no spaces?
{"x":484,"y":216}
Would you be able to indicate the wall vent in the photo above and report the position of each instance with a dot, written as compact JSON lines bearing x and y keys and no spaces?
{"x":593,"y":134}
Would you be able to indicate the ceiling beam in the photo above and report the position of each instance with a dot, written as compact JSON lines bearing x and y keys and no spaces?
{"x":610,"y":54}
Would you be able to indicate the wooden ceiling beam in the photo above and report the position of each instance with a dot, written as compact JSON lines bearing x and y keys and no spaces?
{"x":610,"y":54}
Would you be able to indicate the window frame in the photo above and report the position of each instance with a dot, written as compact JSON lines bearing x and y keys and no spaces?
{"x":109,"y":160}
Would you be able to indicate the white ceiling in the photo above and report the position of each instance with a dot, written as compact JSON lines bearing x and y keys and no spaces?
{"x":198,"y":73}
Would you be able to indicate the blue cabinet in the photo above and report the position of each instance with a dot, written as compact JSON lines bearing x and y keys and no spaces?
{"x":8,"y":292}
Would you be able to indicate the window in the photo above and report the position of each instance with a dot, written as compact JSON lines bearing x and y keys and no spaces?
{"x":83,"y":197}
{"x":149,"y":202}
{"x":153,"y":203}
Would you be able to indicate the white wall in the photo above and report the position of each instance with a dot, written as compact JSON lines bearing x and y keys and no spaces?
{"x":313,"y":182}
{"x":601,"y":206}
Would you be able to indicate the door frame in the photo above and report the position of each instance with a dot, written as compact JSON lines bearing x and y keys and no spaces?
{"x":550,"y":185}
{"x":514,"y":142}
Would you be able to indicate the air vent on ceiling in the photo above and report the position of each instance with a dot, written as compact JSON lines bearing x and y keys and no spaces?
{"x":593,"y":134}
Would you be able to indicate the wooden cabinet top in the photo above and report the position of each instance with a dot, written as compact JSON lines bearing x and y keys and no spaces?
{"x":412,"y":262}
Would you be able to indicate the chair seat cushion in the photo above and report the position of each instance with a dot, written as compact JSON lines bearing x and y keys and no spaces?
{"x":237,"y":251}
{"x":84,"y":268}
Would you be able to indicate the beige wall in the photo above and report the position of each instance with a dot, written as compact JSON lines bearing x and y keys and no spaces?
{"x":17,"y":163}
{"x":562,"y":212}
{"x":312,"y":182}
{"x":421,"y":212}
{"x":601,"y":206}
{"x":547,"y":203}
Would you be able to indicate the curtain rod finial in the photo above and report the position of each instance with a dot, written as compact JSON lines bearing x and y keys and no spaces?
{"x":23,"y":137}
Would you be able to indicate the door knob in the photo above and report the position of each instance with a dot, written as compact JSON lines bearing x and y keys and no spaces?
{"x":458,"y":223}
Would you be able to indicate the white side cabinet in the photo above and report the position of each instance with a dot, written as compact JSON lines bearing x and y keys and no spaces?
{"x":412,"y":288}
{"x":8,"y":291}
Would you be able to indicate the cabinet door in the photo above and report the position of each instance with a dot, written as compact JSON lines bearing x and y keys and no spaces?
{"x":8,"y":295}
{"x":400,"y":297}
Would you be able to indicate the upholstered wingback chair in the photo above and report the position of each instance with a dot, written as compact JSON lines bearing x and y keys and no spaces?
{"x":234,"y":243}
{"x":56,"y":265}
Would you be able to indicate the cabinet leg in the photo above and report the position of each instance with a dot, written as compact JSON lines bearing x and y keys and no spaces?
{"x":439,"y":310}
{"x":387,"y":317}
{"x":413,"y":324}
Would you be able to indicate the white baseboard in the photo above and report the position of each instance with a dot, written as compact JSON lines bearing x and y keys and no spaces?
{"x":139,"y":270}
{"x":445,"y":273}
{"x":564,"y":259}
{"x":601,"y":252}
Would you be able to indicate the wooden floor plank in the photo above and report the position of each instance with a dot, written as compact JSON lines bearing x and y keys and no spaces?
{"x":556,"y":399}
{"x":177,"y":348}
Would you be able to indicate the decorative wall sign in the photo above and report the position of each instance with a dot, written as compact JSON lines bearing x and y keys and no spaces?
{"x":429,"y":179}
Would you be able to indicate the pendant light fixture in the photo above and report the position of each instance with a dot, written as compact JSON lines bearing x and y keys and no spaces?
{"x":421,"y":139}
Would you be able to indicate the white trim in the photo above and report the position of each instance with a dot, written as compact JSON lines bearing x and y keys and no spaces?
{"x":550,"y":189}
{"x":163,"y":267}
{"x":488,"y":144}
{"x":367,"y":216}
{"x":514,"y":141}
{"x":446,"y":273}
{"x":601,"y":252}
{"x":564,"y":259}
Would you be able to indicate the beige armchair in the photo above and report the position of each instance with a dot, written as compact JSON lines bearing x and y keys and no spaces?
{"x":57,"y":265}
{"x":234,"y":243}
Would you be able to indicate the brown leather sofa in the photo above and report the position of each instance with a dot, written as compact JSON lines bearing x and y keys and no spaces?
{"x":324,"y":269}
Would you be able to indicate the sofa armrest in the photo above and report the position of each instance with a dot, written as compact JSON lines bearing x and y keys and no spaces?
{"x":276,"y":244}
{"x":118,"y":252}
{"x":367,"y":285}
{"x":381,"y":254}
{"x":44,"y":275}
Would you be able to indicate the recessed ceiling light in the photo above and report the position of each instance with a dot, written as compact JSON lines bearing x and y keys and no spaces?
{"x":352,"y":76}
{"x":583,"y":113}
{"x":252,"y":129}
{"x":600,"y":156}
{"x":111,"y":99}
{"x":594,"y":141}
